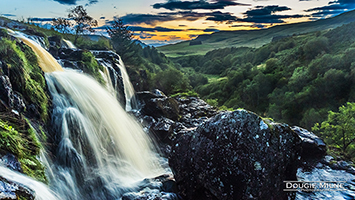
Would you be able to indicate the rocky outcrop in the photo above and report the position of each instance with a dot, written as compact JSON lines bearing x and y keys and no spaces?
{"x":165,"y":117}
{"x":312,"y":145}
{"x":159,"y":188}
{"x":235,"y":155}
{"x":158,"y":105}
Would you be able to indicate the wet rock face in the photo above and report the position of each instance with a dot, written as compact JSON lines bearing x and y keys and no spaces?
{"x":9,"y":99}
{"x":10,"y":190}
{"x":158,"y":105}
{"x":194,"y":111}
{"x":312,"y":145}
{"x":6,"y":94}
{"x":11,"y":162}
{"x":159,"y":188}
{"x":235,"y":155}
{"x":166,"y":117}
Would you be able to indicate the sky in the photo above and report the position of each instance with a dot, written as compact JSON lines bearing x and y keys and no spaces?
{"x":158,"y":22}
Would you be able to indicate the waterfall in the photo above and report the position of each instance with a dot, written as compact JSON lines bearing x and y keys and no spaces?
{"x":97,"y":151}
{"x":69,"y":44}
{"x":99,"y":145}
{"x":45,"y":59}
{"x":131,"y":103}
{"x":128,"y":87}
{"x":42,"y":192}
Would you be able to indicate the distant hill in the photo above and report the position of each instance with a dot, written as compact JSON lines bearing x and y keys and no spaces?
{"x":253,"y":38}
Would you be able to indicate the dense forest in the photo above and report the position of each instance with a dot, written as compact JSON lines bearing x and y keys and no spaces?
{"x":295,"y":79}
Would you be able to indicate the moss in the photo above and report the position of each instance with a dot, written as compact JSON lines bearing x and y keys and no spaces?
{"x":91,"y":66}
{"x":19,"y":138}
{"x":25,"y":74}
{"x":185,"y":94}
{"x":3,"y":32}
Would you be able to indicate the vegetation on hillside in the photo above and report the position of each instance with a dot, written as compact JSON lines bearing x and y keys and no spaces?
{"x":338,"y":129}
{"x":19,"y":64}
{"x":26,"y":76}
{"x":296,"y":79}
{"x":161,"y":71}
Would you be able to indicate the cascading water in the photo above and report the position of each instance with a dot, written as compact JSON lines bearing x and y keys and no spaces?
{"x":42,"y":192}
{"x":69,"y":44}
{"x":98,"y":151}
{"x":99,"y":145}
{"x":45,"y":59}
{"x":128,"y":87}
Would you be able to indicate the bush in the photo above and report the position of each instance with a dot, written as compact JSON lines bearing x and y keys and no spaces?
{"x":172,"y":81}
{"x":338,"y":129}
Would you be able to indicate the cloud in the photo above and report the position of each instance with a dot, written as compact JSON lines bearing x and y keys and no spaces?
{"x":221,"y":17}
{"x":143,"y":35}
{"x":37,"y":19}
{"x":265,"y":14}
{"x":333,"y":8}
{"x":211,"y":30}
{"x":155,"y":29}
{"x":67,"y":2}
{"x":149,"y":19}
{"x":201,"y":4}
{"x":93,"y":1}
{"x":173,"y":37}
{"x":193,"y":35}
{"x":8,"y":15}
{"x":74,"y":2}
{"x":249,"y":26}
{"x":154,"y":19}
{"x":144,"y":29}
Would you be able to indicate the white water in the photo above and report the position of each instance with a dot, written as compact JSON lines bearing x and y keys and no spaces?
{"x":128,"y":87}
{"x":99,"y":145}
{"x":42,"y":192}
{"x":45,"y":59}
{"x":97,"y":151}
{"x":69,"y":44}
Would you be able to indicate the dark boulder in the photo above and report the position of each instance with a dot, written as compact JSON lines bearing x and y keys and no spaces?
{"x":158,"y":106}
{"x":163,"y":129}
{"x":235,"y":155}
{"x":312,"y":145}
{"x":194,"y":111}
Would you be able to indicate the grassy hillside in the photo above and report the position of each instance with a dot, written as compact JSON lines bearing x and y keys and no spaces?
{"x":253,"y":38}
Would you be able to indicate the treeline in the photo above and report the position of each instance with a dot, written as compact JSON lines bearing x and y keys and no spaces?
{"x":296,"y":79}
{"x":148,"y":69}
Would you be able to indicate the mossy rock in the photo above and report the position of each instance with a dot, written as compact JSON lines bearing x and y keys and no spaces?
{"x":25,"y":75}
{"x":19,"y":138}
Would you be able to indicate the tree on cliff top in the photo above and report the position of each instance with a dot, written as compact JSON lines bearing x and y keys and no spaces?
{"x":83,"y":22}
{"x":62,"y":25}
{"x":123,"y":42}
